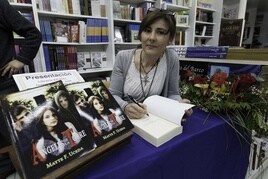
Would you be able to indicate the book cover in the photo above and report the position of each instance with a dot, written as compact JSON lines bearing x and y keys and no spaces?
{"x":90,"y":30}
{"x":206,"y":55}
{"x":82,"y":32}
{"x":47,"y":59}
{"x":231,"y":32}
{"x":100,"y":111}
{"x":45,"y":128}
{"x":96,"y":60}
{"x":83,"y":61}
{"x":104,"y":30}
{"x":163,"y":122}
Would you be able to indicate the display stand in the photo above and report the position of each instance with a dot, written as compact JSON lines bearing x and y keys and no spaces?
{"x":74,"y":167}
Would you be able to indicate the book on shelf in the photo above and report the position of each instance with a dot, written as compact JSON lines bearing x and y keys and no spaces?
{"x":206,"y":55}
{"x":163,"y":122}
{"x":60,"y":30}
{"x":99,"y":110}
{"x":90,"y":30}
{"x":96,"y":8}
{"x":117,"y":10}
{"x":44,"y":135}
{"x":96,"y":59}
{"x":205,"y":3}
{"x":187,"y":3}
{"x":230,"y":32}
{"x":132,"y":33}
{"x":179,"y":38}
{"x":73,"y":32}
{"x":104,"y":30}
{"x":83,"y":61}
{"x":208,"y":49}
{"x":118,"y":37}
{"x":82,"y":31}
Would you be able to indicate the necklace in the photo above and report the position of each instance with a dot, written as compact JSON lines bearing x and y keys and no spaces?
{"x":146,"y":76}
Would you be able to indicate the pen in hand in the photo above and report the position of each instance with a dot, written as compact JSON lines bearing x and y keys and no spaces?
{"x":135,"y":101}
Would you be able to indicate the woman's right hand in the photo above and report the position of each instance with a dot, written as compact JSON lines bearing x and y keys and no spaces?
{"x":134,"y":111}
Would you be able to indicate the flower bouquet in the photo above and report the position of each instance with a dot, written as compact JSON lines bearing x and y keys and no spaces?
{"x":241,"y":100}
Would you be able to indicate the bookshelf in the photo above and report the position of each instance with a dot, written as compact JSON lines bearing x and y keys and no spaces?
{"x":54,"y":17}
{"x":186,"y":14}
{"x":205,"y":21}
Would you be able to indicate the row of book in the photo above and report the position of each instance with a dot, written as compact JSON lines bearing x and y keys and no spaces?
{"x":94,"y":30}
{"x":67,"y":57}
{"x":203,"y":30}
{"x":217,"y":52}
{"x":126,"y":33}
{"x":121,"y":11}
{"x":179,"y":38}
{"x":205,"y":3}
{"x":204,"y":16}
{"x":83,"y":7}
{"x":21,"y":1}
{"x":187,"y":3}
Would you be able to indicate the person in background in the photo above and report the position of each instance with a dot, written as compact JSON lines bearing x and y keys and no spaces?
{"x":150,"y":69}
{"x":10,"y":63}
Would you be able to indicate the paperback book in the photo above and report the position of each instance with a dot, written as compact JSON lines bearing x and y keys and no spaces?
{"x":163,"y":121}
{"x":99,"y":111}
{"x":45,"y":128}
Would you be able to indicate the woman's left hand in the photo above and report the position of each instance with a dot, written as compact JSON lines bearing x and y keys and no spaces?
{"x":188,"y":112}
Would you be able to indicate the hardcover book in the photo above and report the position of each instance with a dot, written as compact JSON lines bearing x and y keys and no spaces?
{"x":45,"y":128}
{"x":99,"y":110}
{"x":163,"y":121}
{"x":206,"y":55}
{"x":208,"y":49}
{"x":231,"y":32}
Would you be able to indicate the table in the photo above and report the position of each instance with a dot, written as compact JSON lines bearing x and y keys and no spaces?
{"x":208,"y":148}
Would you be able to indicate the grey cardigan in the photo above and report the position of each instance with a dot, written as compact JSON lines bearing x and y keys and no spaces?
{"x":120,"y":69}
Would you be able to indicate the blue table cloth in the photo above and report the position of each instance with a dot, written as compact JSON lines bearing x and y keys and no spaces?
{"x":208,"y":148}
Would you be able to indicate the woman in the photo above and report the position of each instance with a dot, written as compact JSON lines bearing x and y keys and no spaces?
{"x":66,"y":110}
{"x":106,"y":99}
{"x":151,"y":69}
{"x":104,"y":119}
{"x":51,"y":128}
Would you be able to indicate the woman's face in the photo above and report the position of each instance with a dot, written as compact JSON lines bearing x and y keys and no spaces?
{"x":105,"y":95}
{"x":98,"y":105}
{"x":63,"y":102}
{"x":50,"y":118}
{"x":155,"y":38}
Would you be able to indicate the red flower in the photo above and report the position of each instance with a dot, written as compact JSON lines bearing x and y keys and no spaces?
{"x":219,"y":78}
{"x":186,"y":74}
{"x":246,"y":80}
{"x":200,"y":80}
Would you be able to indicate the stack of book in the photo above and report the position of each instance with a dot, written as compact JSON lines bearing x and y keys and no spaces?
{"x":219,"y":52}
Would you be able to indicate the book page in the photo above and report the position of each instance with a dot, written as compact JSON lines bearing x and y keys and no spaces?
{"x":166,"y":108}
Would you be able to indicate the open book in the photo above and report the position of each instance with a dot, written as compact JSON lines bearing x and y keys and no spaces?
{"x":163,"y":122}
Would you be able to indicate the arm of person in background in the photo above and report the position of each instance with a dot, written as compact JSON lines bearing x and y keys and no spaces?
{"x":12,"y":20}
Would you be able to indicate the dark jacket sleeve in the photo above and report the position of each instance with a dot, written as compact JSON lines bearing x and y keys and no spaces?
{"x":12,"y":20}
